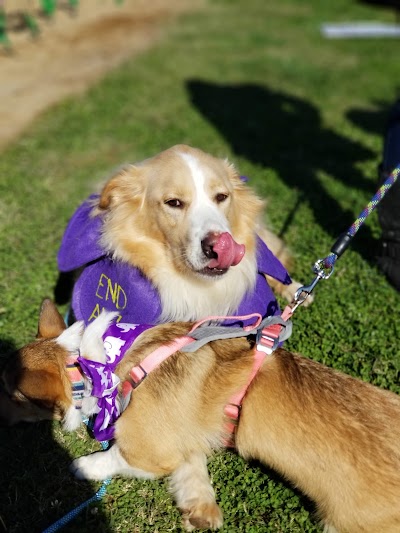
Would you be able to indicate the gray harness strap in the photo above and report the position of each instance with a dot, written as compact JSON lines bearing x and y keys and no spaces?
{"x":207,"y":333}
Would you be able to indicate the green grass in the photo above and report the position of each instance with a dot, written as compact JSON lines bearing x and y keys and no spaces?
{"x":300,"y":115}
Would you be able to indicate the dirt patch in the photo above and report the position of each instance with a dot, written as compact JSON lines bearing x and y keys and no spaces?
{"x":74,"y":51}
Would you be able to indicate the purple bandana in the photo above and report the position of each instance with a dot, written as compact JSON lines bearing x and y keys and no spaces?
{"x":117,"y":339}
{"x":117,"y":286}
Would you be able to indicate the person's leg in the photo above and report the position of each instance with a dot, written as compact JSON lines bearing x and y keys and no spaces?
{"x":389,"y":208}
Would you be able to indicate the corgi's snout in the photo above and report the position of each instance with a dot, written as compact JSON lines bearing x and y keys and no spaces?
{"x":5,"y":408}
{"x":222,"y":250}
{"x":11,"y":412}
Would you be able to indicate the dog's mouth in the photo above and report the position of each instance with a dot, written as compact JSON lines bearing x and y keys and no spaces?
{"x":222,"y":250}
{"x":222,"y":253}
{"x":213,"y":272}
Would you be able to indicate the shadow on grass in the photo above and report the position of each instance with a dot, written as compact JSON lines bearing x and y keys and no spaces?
{"x":259,"y":492}
{"x":305,"y":502}
{"x":283,"y":132}
{"x":374,"y":120}
{"x":64,"y":287}
{"x":37,"y":488}
{"x":371,"y":120}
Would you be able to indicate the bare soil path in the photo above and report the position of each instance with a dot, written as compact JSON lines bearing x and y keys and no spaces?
{"x":74,"y":51}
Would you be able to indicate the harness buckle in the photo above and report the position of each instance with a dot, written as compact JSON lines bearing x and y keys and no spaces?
{"x":268,"y":339}
{"x":232,"y":411}
{"x":137,"y":375}
{"x":268,"y":349}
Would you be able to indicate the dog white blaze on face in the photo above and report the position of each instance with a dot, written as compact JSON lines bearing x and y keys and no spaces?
{"x":195,"y":197}
{"x":205,"y":214}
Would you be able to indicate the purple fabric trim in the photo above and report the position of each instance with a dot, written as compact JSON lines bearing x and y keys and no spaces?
{"x":117,"y":286}
{"x":79,"y":244}
{"x":117,"y":340}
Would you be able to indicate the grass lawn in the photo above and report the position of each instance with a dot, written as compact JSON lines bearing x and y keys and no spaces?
{"x":302,"y":116}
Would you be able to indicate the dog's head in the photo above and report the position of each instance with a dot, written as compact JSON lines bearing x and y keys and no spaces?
{"x":34,"y":384}
{"x":182,"y":210}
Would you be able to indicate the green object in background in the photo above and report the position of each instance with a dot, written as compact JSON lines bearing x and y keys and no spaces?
{"x":48,"y":7}
{"x":4,"y":40}
{"x":73,"y":4}
{"x":30,"y":22}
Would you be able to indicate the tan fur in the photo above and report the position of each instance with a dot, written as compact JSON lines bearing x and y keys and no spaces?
{"x":140,"y":228}
{"x":200,"y":410}
{"x":334,"y":437}
{"x":36,"y":372}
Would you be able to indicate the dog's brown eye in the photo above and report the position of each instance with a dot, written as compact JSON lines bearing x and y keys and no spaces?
{"x":221,"y":197}
{"x":175,"y":202}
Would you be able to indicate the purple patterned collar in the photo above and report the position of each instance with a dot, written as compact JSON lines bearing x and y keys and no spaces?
{"x":117,"y":340}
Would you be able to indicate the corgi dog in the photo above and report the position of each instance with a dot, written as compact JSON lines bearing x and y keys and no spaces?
{"x":334,"y":437}
{"x":174,"y":238}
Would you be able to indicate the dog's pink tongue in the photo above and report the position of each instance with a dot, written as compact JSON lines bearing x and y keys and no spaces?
{"x":229,"y":252}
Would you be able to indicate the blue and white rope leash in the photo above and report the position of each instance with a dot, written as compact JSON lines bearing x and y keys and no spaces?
{"x":95,"y":498}
{"x":323,"y":268}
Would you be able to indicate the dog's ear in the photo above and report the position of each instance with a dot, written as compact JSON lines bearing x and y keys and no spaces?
{"x":51,"y":323}
{"x":126,"y":184}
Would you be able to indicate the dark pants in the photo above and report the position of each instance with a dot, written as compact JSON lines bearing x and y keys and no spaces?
{"x":389,"y":208}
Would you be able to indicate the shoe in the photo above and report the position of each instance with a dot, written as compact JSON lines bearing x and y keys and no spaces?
{"x":388,"y":258}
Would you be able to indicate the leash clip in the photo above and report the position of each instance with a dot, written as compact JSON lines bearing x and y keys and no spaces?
{"x":323,"y":272}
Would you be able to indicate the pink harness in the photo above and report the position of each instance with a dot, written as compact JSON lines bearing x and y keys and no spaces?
{"x":267,"y":342}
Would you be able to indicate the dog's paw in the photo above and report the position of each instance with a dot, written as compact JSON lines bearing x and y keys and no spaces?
{"x":203,"y":516}
{"x":85,"y":468}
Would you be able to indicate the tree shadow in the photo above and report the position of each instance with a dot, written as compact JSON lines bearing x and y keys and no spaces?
{"x":283,"y":132}
{"x":37,"y":488}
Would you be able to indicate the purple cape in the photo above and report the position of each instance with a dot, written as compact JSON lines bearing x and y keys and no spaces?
{"x":118,"y":286}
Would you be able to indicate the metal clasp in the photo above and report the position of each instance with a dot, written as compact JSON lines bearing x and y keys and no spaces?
{"x":304,"y":292}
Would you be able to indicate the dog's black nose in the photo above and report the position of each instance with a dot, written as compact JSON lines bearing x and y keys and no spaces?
{"x":207,"y":245}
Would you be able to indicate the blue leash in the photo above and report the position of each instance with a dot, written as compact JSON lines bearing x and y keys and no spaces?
{"x":324,"y":268}
{"x":75,"y":512}
{"x":72,"y":514}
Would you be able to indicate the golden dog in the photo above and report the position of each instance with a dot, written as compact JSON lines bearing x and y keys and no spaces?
{"x":334,"y":437}
{"x":175,"y":237}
